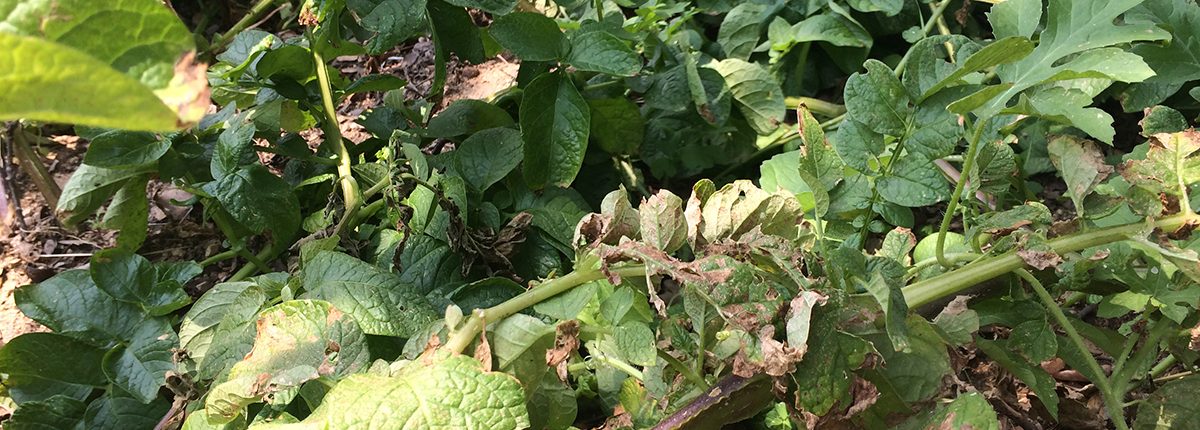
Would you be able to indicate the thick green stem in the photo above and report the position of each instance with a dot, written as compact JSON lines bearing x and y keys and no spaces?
{"x":968,"y":163}
{"x":932,"y":289}
{"x":1112,"y":399}
{"x":333,"y":136}
{"x":816,"y":106}
{"x":462,"y":337}
{"x":252,"y":268}
{"x":687,"y":372}
{"x":219,"y":257}
{"x":251,"y":17}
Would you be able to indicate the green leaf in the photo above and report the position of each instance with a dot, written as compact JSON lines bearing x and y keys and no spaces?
{"x":288,"y":61}
{"x":598,"y":51}
{"x":888,"y":7}
{"x":825,"y":375}
{"x":877,"y":99}
{"x":1072,"y":27}
{"x":916,"y":374}
{"x":914,"y":182}
{"x":1067,"y":106}
{"x":467,"y":117}
{"x":129,"y":214}
{"x":1179,"y":60}
{"x":140,"y":365}
{"x":216,"y":331}
{"x":391,"y":21}
{"x":131,"y":278}
{"x":485,"y":293}
{"x":835,"y":29}
{"x":1016,"y":18}
{"x":495,"y":7}
{"x":456,"y":32}
{"x":234,"y":148}
{"x":635,"y":343}
{"x":1002,"y":51}
{"x":1080,"y":164}
{"x":89,"y":187}
{"x":1032,"y":375}
{"x":555,"y":121}
{"x":488,"y":156}
{"x":529,"y":36}
{"x":116,"y":149}
{"x":58,"y":412}
{"x":1172,"y":406}
{"x":756,"y":92}
{"x":709,"y":92}
{"x":260,"y":201}
{"x":957,"y":322}
{"x":117,"y":410}
{"x":617,"y":125}
{"x":883,"y":284}
{"x":381,"y":302}
{"x":568,"y":305}
{"x":968,"y":410}
{"x":297,"y":341}
{"x":120,"y":54}
{"x":520,"y":344}
{"x":453,"y":392}
{"x":70,"y":304}
{"x":40,"y":365}
{"x":738,"y":34}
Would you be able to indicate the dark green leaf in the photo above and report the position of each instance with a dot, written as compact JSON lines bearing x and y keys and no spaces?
{"x":1031,"y":374}
{"x":887,"y":7}
{"x":488,"y":156}
{"x":917,"y":373}
{"x":555,"y":121}
{"x":293,"y":62}
{"x":58,"y":412}
{"x":117,"y":149}
{"x":89,"y":187}
{"x":456,"y":31}
{"x":529,"y":36}
{"x":617,"y":125}
{"x":914,"y":182}
{"x":40,"y":365}
{"x":466,"y":117}
{"x":598,"y":51}
{"x":129,"y":214}
{"x":1162,"y":119}
{"x":234,"y":148}
{"x":1172,"y":406}
{"x":878,"y":100}
{"x":117,"y":410}
{"x":739,"y":31}
{"x":70,"y":304}
{"x":140,"y":364}
{"x":260,"y":201}
{"x":371,"y":83}
{"x":968,"y":410}
{"x":131,"y":278}
{"x":391,"y":21}
{"x":495,"y":7}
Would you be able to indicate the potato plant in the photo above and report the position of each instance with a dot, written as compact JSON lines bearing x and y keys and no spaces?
{"x":684,"y":215}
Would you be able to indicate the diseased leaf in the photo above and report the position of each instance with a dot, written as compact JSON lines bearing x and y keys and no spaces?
{"x":917,"y":373}
{"x":555,"y":121}
{"x":598,"y":51}
{"x":217,"y":331}
{"x":1080,"y":164}
{"x":297,"y":341}
{"x":1170,"y":406}
{"x":968,"y":410}
{"x":450,"y":392}
{"x":529,"y":36}
{"x":1032,"y":375}
{"x":380,"y":302}
{"x":1169,"y":165}
{"x":662,"y":221}
{"x":1162,"y":119}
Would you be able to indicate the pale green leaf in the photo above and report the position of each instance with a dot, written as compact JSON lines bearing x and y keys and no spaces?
{"x":756,"y":92}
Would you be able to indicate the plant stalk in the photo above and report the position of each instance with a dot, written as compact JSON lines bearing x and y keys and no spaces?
{"x":937,"y":13}
{"x":333,"y":135}
{"x":462,"y":337}
{"x":251,"y":17}
{"x":935,"y":288}
{"x":1112,"y":399}
{"x":968,"y":163}
{"x":31,"y":163}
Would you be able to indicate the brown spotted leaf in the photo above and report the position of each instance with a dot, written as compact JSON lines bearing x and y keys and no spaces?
{"x":1170,"y":165}
{"x":297,"y":341}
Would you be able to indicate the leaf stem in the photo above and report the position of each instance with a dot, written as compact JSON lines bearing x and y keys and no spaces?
{"x":1112,"y":399}
{"x":462,"y":337}
{"x":968,"y":163}
{"x":929,"y":23}
{"x":983,"y":269}
{"x":816,"y":106}
{"x":683,"y":369}
{"x":251,"y":17}
{"x":219,"y":257}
